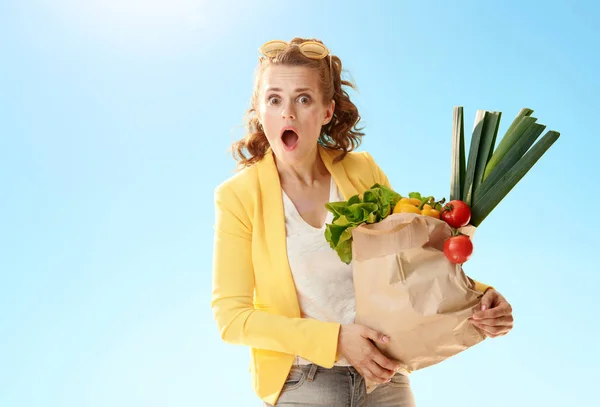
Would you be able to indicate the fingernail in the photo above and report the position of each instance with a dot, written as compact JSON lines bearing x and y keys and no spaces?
{"x":483,"y":307}
{"x":386,"y":339}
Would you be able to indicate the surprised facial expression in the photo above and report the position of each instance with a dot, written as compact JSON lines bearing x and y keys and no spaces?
{"x":291,"y":109}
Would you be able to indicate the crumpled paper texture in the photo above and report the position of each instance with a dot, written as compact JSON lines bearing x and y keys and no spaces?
{"x":407,"y":289}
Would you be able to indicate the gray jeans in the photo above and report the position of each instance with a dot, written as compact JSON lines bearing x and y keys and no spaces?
{"x":311,"y":385}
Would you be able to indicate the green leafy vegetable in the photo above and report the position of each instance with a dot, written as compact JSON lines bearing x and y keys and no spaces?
{"x":493,"y":171}
{"x":375,"y":205}
{"x":458,"y":169}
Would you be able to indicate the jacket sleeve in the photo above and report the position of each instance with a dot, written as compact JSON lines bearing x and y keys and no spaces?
{"x":382,"y":179}
{"x":233,"y":289}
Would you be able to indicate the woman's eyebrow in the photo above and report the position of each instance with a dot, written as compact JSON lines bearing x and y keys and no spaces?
{"x":296,"y":90}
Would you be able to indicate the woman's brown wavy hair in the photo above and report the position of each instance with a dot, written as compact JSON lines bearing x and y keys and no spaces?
{"x":339,"y":134}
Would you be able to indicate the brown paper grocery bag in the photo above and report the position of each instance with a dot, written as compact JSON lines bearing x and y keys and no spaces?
{"x":407,"y":289}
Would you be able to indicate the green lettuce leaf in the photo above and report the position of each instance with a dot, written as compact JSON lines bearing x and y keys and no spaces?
{"x":375,"y":205}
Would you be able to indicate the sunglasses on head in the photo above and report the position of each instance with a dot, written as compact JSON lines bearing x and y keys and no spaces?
{"x":310,"y":49}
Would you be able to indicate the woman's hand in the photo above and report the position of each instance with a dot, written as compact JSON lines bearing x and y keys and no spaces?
{"x":495,"y":317}
{"x":354,"y":344}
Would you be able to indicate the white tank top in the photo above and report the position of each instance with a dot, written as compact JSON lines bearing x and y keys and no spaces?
{"x":324,"y":284}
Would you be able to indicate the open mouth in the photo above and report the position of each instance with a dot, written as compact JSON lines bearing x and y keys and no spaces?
{"x":290,"y":139}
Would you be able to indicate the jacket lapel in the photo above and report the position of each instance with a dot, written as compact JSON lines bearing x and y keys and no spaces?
{"x":338,"y":172}
{"x":273,"y":218}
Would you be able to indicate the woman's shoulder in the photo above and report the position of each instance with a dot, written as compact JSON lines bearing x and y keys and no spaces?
{"x":361,"y":164}
{"x":361,"y":158}
{"x":238,"y":185}
{"x":360,"y":161}
{"x":352,"y":158}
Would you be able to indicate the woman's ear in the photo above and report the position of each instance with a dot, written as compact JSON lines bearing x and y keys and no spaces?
{"x":329,"y":112}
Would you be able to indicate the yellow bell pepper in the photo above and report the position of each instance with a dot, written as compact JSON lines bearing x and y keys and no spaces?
{"x":406,"y":208}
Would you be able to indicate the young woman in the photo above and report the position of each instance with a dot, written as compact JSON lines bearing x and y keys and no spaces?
{"x":277,"y":285}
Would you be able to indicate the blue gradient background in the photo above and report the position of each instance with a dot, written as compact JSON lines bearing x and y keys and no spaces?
{"x":115,"y":119}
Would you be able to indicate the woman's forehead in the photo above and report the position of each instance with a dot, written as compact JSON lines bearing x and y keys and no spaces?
{"x":290,"y":78}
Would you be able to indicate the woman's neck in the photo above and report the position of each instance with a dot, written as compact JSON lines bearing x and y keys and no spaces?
{"x":304,"y":173}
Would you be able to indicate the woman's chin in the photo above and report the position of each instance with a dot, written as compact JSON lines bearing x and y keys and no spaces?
{"x":291,"y":155}
{"x":295,"y":154}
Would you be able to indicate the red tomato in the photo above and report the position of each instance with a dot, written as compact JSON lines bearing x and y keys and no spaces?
{"x":458,"y":249}
{"x":456,"y":214}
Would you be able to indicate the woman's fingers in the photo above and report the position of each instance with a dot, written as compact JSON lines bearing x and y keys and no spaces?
{"x":385,"y":362}
{"x":375,"y":336}
{"x":501,"y":321}
{"x":375,"y":373}
{"x":493,"y":331}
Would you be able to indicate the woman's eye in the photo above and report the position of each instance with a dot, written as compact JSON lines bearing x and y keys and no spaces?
{"x":273,"y":100}
{"x":304,"y":99}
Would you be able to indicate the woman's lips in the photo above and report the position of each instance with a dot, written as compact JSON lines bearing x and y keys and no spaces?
{"x":289,"y":138}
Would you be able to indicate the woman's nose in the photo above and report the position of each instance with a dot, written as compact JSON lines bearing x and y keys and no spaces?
{"x":288,"y":112}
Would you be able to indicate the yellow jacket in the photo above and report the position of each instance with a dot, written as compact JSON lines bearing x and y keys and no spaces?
{"x":254,"y":299}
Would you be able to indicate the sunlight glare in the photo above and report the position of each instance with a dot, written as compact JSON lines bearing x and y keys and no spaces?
{"x":140,"y":21}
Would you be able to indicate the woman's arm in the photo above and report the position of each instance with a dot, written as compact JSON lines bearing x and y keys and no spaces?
{"x":233,"y":289}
